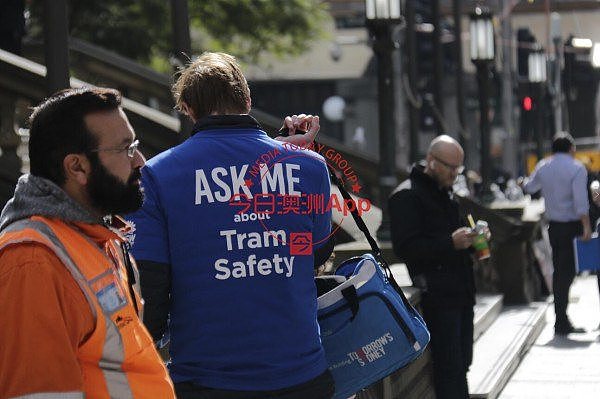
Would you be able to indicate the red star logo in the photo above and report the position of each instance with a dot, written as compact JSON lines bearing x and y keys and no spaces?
{"x":356,"y":188}
{"x":248,"y":183}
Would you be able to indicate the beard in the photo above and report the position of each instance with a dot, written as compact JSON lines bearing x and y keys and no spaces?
{"x":109,"y":194}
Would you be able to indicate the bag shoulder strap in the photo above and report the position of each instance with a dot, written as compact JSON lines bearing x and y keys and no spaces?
{"x":361,"y":225}
{"x":374,"y":247}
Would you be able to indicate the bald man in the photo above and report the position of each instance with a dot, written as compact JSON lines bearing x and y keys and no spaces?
{"x":430,"y":236}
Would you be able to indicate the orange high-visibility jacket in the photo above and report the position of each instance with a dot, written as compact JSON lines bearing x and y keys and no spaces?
{"x":109,"y":345}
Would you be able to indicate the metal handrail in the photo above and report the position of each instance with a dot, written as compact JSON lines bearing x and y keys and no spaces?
{"x":34,"y":68}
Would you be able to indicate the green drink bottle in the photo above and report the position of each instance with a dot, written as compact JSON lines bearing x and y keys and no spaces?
{"x":480,"y":242}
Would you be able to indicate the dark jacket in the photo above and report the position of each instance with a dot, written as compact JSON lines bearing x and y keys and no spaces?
{"x":423,"y":217}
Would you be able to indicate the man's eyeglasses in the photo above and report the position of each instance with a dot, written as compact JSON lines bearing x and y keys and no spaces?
{"x":131,"y":149}
{"x":458,"y":168}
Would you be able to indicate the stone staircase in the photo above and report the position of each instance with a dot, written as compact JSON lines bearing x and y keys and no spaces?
{"x":499,"y":349}
{"x":487,"y":309}
{"x":502,"y":334}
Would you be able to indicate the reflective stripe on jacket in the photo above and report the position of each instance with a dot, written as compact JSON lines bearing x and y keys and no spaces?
{"x":118,"y":359}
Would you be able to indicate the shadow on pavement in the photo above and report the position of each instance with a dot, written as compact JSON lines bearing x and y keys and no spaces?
{"x":567,"y":343}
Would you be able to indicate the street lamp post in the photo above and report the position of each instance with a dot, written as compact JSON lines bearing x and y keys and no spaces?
{"x":482,"y":55}
{"x":381,"y":17}
{"x":536,"y":64}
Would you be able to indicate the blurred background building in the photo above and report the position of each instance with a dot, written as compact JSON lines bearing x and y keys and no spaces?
{"x":323,"y":63}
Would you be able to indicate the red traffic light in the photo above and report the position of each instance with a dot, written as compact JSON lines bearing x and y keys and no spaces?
{"x":527,"y":103}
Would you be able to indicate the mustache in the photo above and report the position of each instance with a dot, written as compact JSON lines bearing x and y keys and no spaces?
{"x":135,"y":175}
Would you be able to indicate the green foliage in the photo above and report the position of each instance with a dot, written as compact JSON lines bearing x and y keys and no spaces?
{"x":160,"y":63}
{"x":247,"y":28}
{"x":133,"y":28}
{"x":141,"y":29}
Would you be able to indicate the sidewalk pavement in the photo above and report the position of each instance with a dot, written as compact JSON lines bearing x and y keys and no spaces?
{"x":563,"y":367}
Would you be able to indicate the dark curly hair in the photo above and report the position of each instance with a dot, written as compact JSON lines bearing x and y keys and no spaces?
{"x":57,"y":128}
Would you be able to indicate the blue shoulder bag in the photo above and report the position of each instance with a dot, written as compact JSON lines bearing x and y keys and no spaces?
{"x":368,"y":327}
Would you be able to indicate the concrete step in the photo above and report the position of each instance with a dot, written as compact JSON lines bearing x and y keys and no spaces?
{"x":487,"y":308}
{"x":500,"y":349}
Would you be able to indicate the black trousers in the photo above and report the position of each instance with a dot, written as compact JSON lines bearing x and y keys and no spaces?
{"x":321,"y":387}
{"x":561,"y":239}
{"x":451,"y":349}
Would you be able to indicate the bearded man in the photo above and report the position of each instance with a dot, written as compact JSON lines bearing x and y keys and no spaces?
{"x":68,"y":286}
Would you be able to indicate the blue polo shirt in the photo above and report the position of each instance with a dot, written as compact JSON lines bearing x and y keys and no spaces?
{"x":563,"y":181}
{"x":234,"y":213}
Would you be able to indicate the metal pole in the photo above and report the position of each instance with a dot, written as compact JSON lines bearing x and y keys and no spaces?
{"x":438,"y":63}
{"x":567,"y":80}
{"x":558,"y":94}
{"x":411,"y":57}
{"x":539,"y":119}
{"x":511,"y":145}
{"x":182,"y":43}
{"x":460,"y":81}
{"x":56,"y":45}
{"x":483,"y":79}
{"x":383,"y":46}
{"x":182,"y":49}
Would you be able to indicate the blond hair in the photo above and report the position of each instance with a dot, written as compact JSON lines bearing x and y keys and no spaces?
{"x":212,"y":84}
